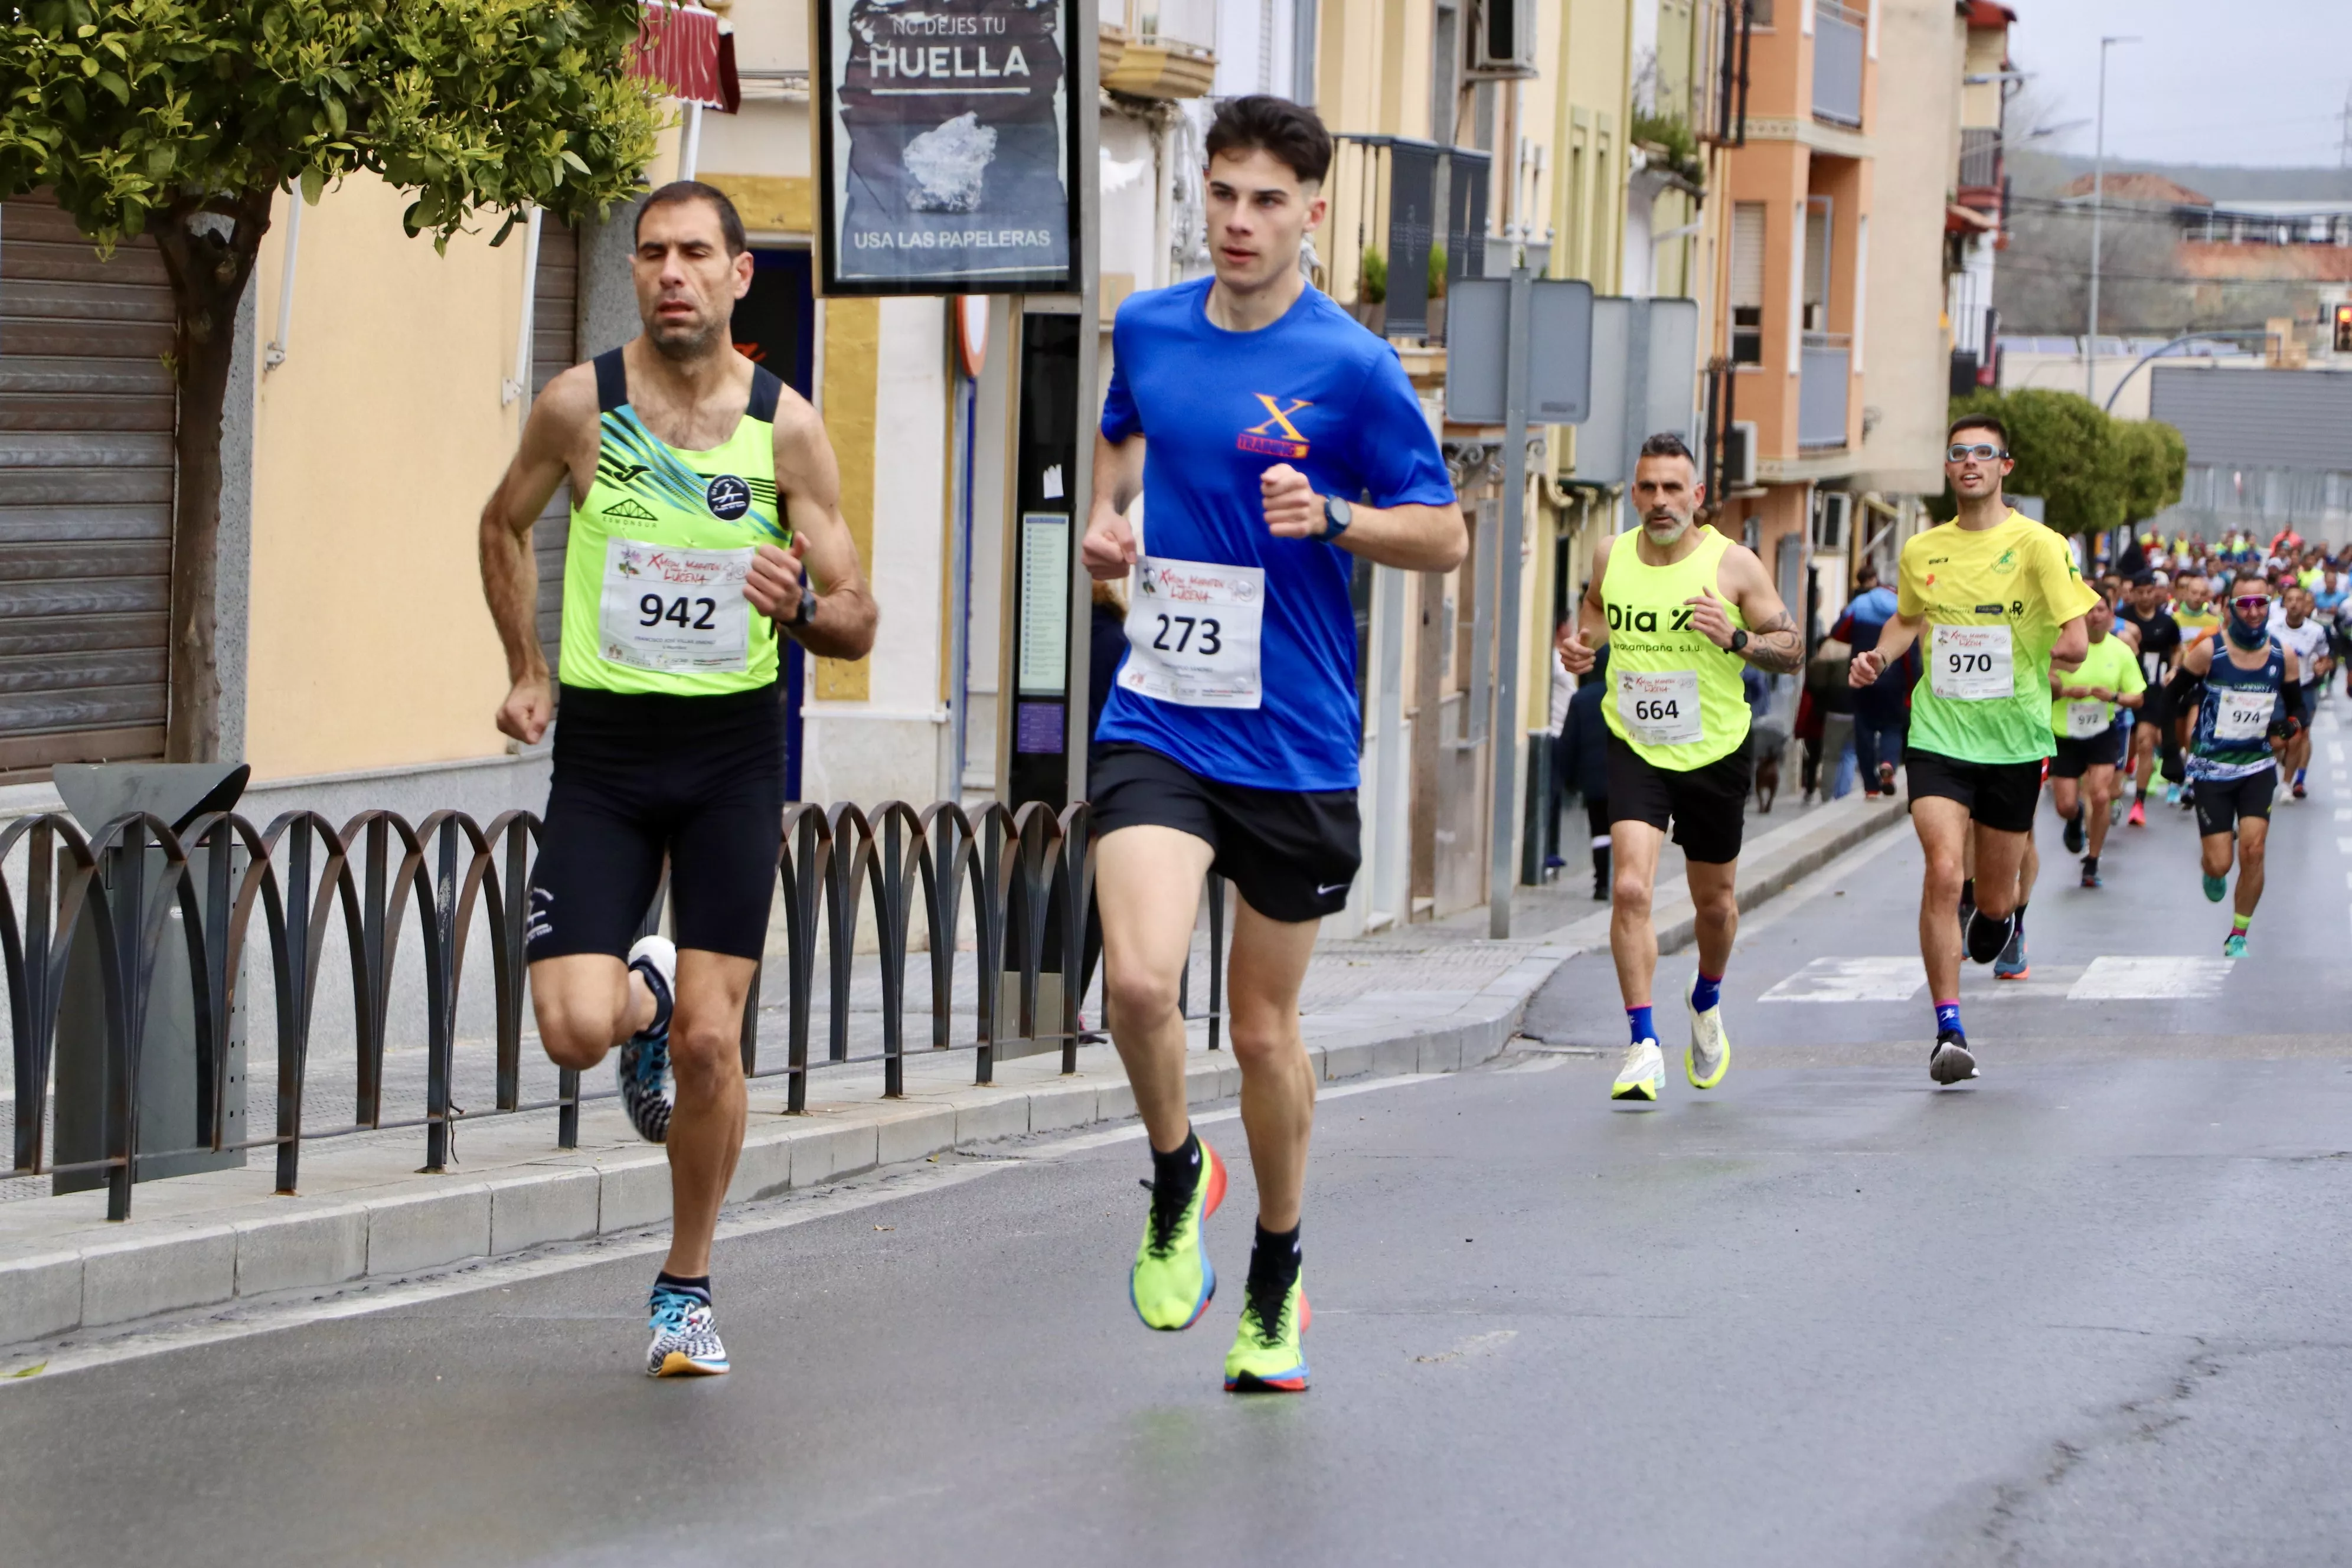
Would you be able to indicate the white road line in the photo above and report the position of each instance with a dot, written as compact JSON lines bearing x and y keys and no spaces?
{"x":2334,"y":750}
{"x":2343,"y":815}
{"x":2149,"y":979}
{"x":2344,"y":845}
{"x":237,"y":1321}
{"x":1852,"y":980}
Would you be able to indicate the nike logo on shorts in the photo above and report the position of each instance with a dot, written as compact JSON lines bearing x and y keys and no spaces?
{"x":1329,"y":889}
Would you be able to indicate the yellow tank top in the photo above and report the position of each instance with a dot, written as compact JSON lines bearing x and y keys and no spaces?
{"x":1673,"y":697}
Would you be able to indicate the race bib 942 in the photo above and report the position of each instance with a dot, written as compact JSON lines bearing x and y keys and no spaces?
{"x":678,"y":610}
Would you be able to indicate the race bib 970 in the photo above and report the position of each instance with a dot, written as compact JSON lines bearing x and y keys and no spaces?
{"x":1193,"y":634}
{"x":677,"y":611}
{"x":1971,"y":664}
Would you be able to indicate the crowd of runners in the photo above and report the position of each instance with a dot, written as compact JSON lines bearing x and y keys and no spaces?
{"x":1275,"y":442}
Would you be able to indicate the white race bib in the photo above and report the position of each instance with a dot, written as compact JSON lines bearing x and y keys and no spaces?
{"x":2244,"y":715}
{"x":675,"y":610}
{"x":1192,"y":633}
{"x":1660,"y":707}
{"x":1972,"y":664}
{"x":2087,"y":720}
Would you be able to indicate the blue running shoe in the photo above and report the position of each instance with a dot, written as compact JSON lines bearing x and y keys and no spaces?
{"x":2216,"y":889}
{"x":684,"y":1342}
{"x":645,"y":1056}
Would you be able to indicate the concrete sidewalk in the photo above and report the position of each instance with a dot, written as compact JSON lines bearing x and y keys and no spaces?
{"x":1426,"y":999}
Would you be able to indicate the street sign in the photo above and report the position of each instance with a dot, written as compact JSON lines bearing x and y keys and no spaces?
{"x":1645,"y":354}
{"x":1559,"y":355}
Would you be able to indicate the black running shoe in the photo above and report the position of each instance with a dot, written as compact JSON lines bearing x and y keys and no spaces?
{"x":2091,"y":872}
{"x":1987,"y":936}
{"x":2075,"y":834}
{"x":1948,"y":1060}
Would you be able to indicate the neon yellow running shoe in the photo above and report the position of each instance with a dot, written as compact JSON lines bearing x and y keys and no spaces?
{"x":1638,"y":1078}
{"x":1271,"y":1360}
{"x":1172,"y":1282}
{"x":1709,"y":1056}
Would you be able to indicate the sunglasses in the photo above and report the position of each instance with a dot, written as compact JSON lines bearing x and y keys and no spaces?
{"x":1983,"y":452}
{"x":2253,"y":601}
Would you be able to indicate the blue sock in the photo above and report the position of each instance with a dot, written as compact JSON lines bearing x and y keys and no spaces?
{"x":1643,"y":1029}
{"x":1948,"y":1017}
{"x":1707,"y":991}
{"x":2299,"y":773}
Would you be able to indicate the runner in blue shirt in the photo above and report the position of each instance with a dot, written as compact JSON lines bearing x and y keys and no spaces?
{"x":1284,"y":440}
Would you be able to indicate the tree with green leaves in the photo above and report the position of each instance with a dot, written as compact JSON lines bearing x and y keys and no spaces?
{"x":2093,"y":472}
{"x":182,"y":119}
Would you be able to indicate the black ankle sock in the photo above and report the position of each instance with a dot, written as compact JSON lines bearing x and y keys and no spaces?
{"x":698,"y":1287}
{"x":1174,"y":1175}
{"x":1273,"y":1261}
{"x":2016,"y":918}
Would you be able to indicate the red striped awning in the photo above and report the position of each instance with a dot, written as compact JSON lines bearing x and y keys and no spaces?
{"x":678,"y":46}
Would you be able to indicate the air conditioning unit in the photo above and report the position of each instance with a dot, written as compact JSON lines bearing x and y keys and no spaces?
{"x":1832,"y":511}
{"x":1739,"y":456}
{"x":1501,"y":40}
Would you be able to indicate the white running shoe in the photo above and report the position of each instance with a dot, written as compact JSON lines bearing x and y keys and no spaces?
{"x":644,"y":1061}
{"x":1709,"y":1056}
{"x":684,"y":1342}
{"x":1639,"y":1079}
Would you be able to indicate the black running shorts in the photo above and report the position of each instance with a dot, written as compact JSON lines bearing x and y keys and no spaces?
{"x":2076,"y":757}
{"x":2223,"y":804}
{"x":639,"y":776}
{"x":1708,"y":805}
{"x":1292,"y":854}
{"x":1998,"y":796}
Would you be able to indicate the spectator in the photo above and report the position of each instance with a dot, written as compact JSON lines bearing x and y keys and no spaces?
{"x":1585,"y":762}
{"x":1882,"y":709}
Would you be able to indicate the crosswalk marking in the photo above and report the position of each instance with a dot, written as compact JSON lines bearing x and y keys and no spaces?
{"x":2149,"y":979}
{"x":1852,"y":980}
{"x":2103,"y":980}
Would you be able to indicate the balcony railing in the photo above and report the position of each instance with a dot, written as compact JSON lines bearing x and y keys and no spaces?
{"x":1979,"y":158}
{"x":1387,"y":196}
{"x":1823,"y":378}
{"x":1837,"y":64}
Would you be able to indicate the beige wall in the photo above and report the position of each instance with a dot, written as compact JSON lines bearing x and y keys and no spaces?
{"x":375,"y":443}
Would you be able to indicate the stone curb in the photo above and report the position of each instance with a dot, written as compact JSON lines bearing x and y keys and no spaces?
{"x":106,"y":1275}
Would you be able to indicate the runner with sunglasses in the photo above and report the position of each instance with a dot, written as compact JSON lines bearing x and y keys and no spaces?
{"x":2000,"y":602}
{"x":2230,"y":758}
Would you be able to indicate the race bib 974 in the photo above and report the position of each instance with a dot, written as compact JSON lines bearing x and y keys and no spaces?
{"x":678,"y":610}
{"x":2243,"y":715}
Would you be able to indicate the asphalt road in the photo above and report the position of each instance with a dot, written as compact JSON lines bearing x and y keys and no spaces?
{"x":2089,"y":1310}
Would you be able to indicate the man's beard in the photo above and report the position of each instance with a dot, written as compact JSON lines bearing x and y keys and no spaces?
{"x":695,"y":345}
{"x":1667,"y":531}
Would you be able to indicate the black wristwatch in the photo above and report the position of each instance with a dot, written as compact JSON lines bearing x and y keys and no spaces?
{"x":1336,"y":515}
{"x":806,"y":613}
{"x":1739,"y":641}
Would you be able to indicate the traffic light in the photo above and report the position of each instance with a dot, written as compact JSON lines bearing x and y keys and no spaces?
{"x":2344,"y":329}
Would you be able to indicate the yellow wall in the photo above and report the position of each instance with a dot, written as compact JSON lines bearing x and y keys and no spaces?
{"x":375,"y":443}
{"x":853,"y":352}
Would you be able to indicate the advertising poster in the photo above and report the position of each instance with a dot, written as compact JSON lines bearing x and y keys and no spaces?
{"x":944,"y":141}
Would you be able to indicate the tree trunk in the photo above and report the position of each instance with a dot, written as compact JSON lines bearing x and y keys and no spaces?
{"x":209,"y":245}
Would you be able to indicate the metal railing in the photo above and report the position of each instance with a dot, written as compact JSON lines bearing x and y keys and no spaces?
{"x":1399,"y":198}
{"x":1823,"y":382}
{"x":1028,"y":875}
{"x":1979,"y":158}
{"x":1837,"y":64}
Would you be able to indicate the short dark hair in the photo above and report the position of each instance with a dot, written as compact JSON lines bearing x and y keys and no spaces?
{"x":1667,"y":443}
{"x":1978,"y":422}
{"x":730,"y":222}
{"x":1291,"y":133}
{"x":2143,"y":580}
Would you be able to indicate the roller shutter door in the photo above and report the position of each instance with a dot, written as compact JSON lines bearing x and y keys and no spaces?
{"x":86,"y":475}
{"x":554,"y":349}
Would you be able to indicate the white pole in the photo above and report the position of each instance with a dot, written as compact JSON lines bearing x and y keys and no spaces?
{"x":2098,"y":203}
{"x":689,"y":152}
{"x":519,"y":386}
{"x":275,"y":354}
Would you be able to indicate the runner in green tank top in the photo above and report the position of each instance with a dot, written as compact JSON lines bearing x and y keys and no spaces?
{"x":1681,"y":608}
{"x":706,"y":523}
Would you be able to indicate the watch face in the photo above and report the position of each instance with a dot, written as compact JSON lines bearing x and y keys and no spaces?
{"x":1336,"y":512}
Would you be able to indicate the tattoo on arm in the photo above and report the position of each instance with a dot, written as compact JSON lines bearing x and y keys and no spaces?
{"x":1773,"y":644}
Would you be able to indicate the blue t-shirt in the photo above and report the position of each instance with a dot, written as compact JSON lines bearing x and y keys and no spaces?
{"x":1217,"y":409}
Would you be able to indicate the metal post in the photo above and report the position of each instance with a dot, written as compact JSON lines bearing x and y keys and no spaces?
{"x":1085,"y":129}
{"x":2098,"y":203}
{"x":1503,"y":820}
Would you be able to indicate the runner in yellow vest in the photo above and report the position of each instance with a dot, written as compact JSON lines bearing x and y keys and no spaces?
{"x":1681,"y":608}
{"x":2087,"y":726}
{"x":1998,"y":602}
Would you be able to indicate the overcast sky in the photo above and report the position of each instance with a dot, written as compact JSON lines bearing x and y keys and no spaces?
{"x":2248,"y":81}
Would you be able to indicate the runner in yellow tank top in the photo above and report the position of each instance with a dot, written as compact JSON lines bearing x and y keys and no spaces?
{"x":1681,"y":608}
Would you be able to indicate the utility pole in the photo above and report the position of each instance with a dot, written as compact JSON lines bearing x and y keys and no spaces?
{"x":2099,"y":202}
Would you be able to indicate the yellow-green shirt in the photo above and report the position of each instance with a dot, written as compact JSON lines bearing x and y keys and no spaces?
{"x":2016,"y":578}
{"x":2108,"y":665}
{"x":1673,"y":697}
